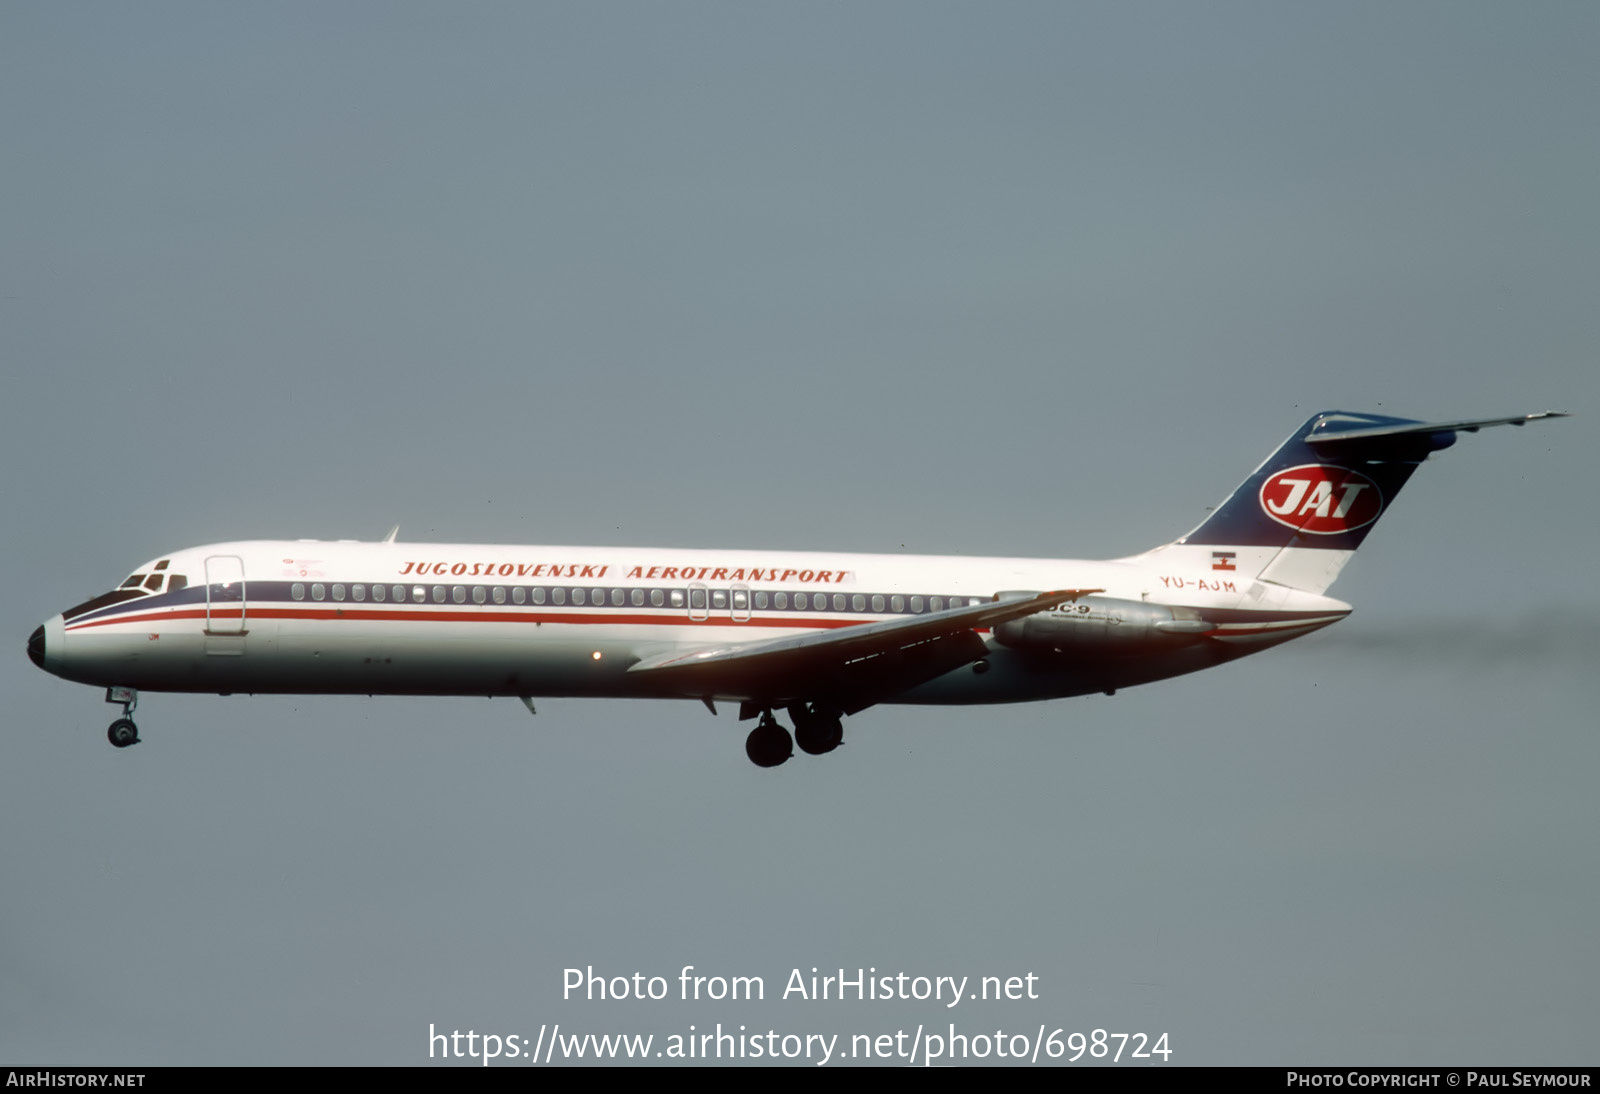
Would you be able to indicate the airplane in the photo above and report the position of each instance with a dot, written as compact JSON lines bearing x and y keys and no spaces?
{"x":821,"y":637}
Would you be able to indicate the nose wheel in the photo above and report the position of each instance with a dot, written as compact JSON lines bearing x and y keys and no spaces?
{"x":123,"y":732}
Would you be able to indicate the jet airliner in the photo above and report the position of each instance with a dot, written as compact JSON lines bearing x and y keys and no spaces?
{"x":815,"y":637}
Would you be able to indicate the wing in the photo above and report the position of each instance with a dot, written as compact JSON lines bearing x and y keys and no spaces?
{"x":850,"y":668}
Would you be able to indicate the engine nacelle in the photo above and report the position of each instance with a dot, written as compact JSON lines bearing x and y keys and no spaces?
{"x":1102,"y":626}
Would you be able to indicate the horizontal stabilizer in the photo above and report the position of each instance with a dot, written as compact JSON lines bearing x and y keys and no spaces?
{"x":1327,"y":430}
{"x":1326,"y":486}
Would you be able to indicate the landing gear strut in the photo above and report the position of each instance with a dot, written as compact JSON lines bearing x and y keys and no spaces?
{"x":769,"y":744}
{"x":123,"y":732}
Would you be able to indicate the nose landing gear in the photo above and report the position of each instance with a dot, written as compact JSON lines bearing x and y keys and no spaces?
{"x":123,"y":732}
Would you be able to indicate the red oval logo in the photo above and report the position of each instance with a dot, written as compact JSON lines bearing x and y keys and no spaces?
{"x":1321,"y":499}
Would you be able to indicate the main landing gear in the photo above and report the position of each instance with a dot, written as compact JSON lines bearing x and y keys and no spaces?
{"x":123,"y":732}
{"x":769,"y":743}
{"x":816,"y":731}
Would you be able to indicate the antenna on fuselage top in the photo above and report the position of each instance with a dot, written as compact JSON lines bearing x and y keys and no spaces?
{"x":395,"y":531}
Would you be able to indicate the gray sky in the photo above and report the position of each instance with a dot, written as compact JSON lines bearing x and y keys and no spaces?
{"x":1022,"y":279}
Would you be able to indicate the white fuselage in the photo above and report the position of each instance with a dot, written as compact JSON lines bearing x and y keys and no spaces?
{"x":455,"y":619}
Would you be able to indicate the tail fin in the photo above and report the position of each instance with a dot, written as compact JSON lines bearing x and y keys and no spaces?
{"x":1301,"y":515}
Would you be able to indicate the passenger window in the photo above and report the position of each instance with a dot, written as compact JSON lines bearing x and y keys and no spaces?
{"x":438,"y":594}
{"x":480,"y":594}
{"x":459,"y":594}
{"x":637,"y":597}
{"x":897,"y":603}
{"x":558,"y":595}
{"x":858,"y":603}
{"x":677,"y":598}
{"x":577,"y":596}
{"x":499,"y":594}
{"x":657,"y":598}
{"x":877,"y":602}
{"x":298,"y":591}
{"x":741,"y":599}
{"x":780,"y":601}
{"x":936,"y":604}
{"x":378,"y":593}
{"x":418,"y":594}
{"x":916,"y":604}
{"x":819,"y":601}
{"x":719,"y":599}
{"x":318,"y":592}
{"x":338,"y":592}
{"x":518,"y":595}
{"x":538,"y":594}
{"x":358,"y":592}
{"x":761,"y":600}
{"x":616,"y":597}
{"x":697,"y":599}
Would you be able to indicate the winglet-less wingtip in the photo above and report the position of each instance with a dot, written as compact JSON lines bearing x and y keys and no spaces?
{"x":395,"y":531}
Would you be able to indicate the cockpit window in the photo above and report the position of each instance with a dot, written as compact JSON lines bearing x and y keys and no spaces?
{"x":178,"y":582}
{"x":153,"y":582}
{"x":162,"y":565}
{"x":133,"y":582}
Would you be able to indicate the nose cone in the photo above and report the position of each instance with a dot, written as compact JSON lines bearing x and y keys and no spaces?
{"x":36,"y":646}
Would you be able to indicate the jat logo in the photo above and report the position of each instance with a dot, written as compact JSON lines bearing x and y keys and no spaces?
{"x":1320,"y":499}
